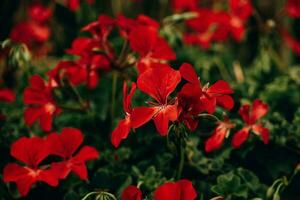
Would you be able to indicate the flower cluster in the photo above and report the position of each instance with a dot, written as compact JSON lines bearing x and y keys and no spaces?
{"x":250,"y":115}
{"x":185,"y":107}
{"x":215,"y":25}
{"x":35,"y":31}
{"x":96,"y":53}
{"x":33,"y":152}
{"x":191,"y":100}
{"x":177,"y":96}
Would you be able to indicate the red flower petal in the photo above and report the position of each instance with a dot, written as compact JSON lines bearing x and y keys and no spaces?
{"x":15,"y":173}
{"x":30,"y":151}
{"x":293,"y":8}
{"x":241,"y":8}
{"x":73,"y":5}
{"x":86,"y":153}
{"x":131,"y":193}
{"x":188,"y":192}
{"x":142,"y":115}
{"x":48,"y":177}
{"x":12,"y":172}
{"x":188,"y":73}
{"x":159,"y":83}
{"x":32,"y":96}
{"x":80,"y":170}
{"x":39,"y":13}
{"x":162,"y":118}
{"x":36,"y":82}
{"x":65,"y":144}
{"x":121,"y":132}
{"x":46,"y":122}
{"x":7,"y":95}
{"x":127,"y":97}
{"x":143,"y":39}
{"x":240,"y":137}
{"x":180,"y":190}
{"x":259,"y":109}
{"x":32,"y":114}
{"x":167,"y":191}
{"x":209,"y":104}
{"x":61,"y":169}
{"x":220,"y":87}
{"x":216,"y":139}
{"x":225,"y":101}
{"x":291,"y":42}
{"x":244,"y":111}
{"x":262,"y":132}
{"x":163,"y":51}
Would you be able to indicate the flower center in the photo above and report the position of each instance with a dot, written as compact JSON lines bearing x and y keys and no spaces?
{"x":236,"y":22}
{"x":49,"y":108}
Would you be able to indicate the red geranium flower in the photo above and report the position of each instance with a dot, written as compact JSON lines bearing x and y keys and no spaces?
{"x":7,"y":95}
{"x":125,"y":24}
{"x":30,"y":33}
{"x":240,"y":11}
{"x":151,"y":48}
{"x":216,"y":94}
{"x":131,"y":193}
{"x":293,"y":8}
{"x":122,"y":130}
{"x":42,"y":107}
{"x":180,"y":190}
{"x":208,"y":27}
{"x":250,"y":115}
{"x":65,"y":145}
{"x":101,"y":29}
{"x":31,"y":152}
{"x":159,"y":83}
{"x":39,"y":13}
{"x":221,"y":131}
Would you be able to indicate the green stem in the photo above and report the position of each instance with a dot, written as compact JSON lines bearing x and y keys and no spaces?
{"x":123,"y":53}
{"x":76,"y":94}
{"x":114,"y":89}
{"x":181,"y":161}
{"x":209,"y":115}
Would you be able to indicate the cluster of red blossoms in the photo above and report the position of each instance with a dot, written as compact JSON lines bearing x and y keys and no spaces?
{"x":215,"y":25}
{"x":35,"y":31}
{"x":178,"y":97}
{"x":186,"y":107}
{"x":180,"y":190}
{"x":32,"y":152}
